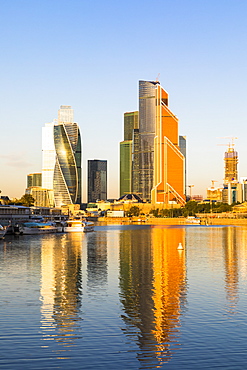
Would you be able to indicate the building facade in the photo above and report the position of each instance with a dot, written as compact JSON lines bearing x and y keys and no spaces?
{"x":61,"y":158}
{"x":97,"y":180}
{"x":169,"y":162}
{"x":158,"y":152}
{"x":147,"y":123}
{"x":34,"y":179}
{"x":131,"y":123}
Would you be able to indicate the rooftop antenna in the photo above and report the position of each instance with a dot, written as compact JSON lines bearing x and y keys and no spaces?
{"x":157,"y":78}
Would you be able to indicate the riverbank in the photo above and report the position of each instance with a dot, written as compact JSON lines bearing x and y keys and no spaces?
{"x":174,"y":221}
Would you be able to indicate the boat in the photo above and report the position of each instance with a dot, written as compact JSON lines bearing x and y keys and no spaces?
{"x":78,"y":225}
{"x":31,"y":227}
{"x":193,"y":220}
{"x":3,"y":231}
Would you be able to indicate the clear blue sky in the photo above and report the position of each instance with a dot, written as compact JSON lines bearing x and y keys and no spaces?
{"x":91,"y":54}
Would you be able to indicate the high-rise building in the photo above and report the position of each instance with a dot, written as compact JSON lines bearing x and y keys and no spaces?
{"x":131,"y":123}
{"x":97,"y":180}
{"x":147,"y":123}
{"x":182,"y":147}
{"x":158,"y":153}
{"x":34,"y":179}
{"x":169,"y":163}
{"x":61,"y":158}
{"x":231,"y":163}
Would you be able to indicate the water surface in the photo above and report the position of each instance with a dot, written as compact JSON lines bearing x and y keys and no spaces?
{"x":124,"y":297}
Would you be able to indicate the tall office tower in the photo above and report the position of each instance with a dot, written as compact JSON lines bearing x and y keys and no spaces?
{"x":97,"y":180}
{"x":135,"y":162}
{"x":182,"y":146}
{"x":61,"y":157}
{"x":231,"y":165}
{"x":130,"y":124}
{"x":147,"y":119}
{"x":169,"y":167}
{"x":34,"y":179}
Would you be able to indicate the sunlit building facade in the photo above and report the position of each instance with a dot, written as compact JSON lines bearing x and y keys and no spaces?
{"x":147,"y":120}
{"x":231,"y":163}
{"x":61,"y":158}
{"x":169,"y":162}
{"x":131,"y":123}
{"x":158,"y":169}
{"x":34,"y":179}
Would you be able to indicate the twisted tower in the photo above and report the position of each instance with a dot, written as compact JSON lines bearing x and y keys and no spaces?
{"x":62,"y":158}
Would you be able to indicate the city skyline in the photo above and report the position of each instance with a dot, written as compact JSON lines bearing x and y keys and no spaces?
{"x":202,"y":63}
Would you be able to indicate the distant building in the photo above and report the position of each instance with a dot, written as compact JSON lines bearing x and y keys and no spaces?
{"x":243,"y":182}
{"x":214,"y":194}
{"x":97,"y":180}
{"x":34,"y":179}
{"x":42,"y":197}
{"x":231,"y":163}
{"x":126,"y":152}
{"x":125,"y":167}
{"x":231,"y":192}
{"x":61,"y":158}
{"x":182,"y":147}
{"x":197,"y":198}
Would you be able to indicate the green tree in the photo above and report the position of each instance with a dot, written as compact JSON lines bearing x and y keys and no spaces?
{"x":133,"y":211}
{"x":27,"y":200}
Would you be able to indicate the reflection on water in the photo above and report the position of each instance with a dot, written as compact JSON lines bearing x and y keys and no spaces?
{"x":61,"y":287}
{"x":125,"y":295}
{"x":231,"y":268}
{"x":153,"y":291}
{"x":97,"y":262}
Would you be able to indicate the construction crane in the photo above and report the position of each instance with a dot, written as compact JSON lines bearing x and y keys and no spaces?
{"x":230,"y":145}
{"x":213,"y":181}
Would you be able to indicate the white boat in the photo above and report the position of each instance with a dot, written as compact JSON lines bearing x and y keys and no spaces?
{"x":78,"y":225}
{"x":3,"y":231}
{"x":193,"y":220}
{"x":29,"y":228}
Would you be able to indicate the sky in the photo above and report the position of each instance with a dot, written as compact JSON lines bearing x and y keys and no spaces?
{"x":91,"y":55}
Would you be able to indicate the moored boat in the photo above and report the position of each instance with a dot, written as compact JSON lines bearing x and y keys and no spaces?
{"x":78,"y":225}
{"x":193,"y":220}
{"x":29,"y":228}
{"x":3,"y":231}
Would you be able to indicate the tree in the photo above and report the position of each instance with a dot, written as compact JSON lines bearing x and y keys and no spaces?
{"x":27,"y":200}
{"x":133,"y":211}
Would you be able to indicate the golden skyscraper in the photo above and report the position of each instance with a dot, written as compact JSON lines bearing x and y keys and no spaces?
{"x":169,"y":162}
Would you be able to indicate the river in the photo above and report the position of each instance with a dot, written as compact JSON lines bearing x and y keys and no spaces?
{"x":124,"y":297}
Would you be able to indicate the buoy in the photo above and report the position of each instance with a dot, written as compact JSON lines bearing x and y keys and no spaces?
{"x":180,"y":246}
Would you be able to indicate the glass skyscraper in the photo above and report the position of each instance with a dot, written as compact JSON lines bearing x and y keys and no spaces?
{"x":97,"y":180}
{"x":147,"y":116}
{"x":61,"y":157}
{"x":131,"y":123}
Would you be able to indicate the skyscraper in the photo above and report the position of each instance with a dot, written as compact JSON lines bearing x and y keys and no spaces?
{"x":131,"y":123}
{"x":97,"y":180}
{"x":158,"y":161}
{"x":147,"y":119}
{"x":231,"y":165}
{"x":169,"y":164}
{"x":61,"y":158}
